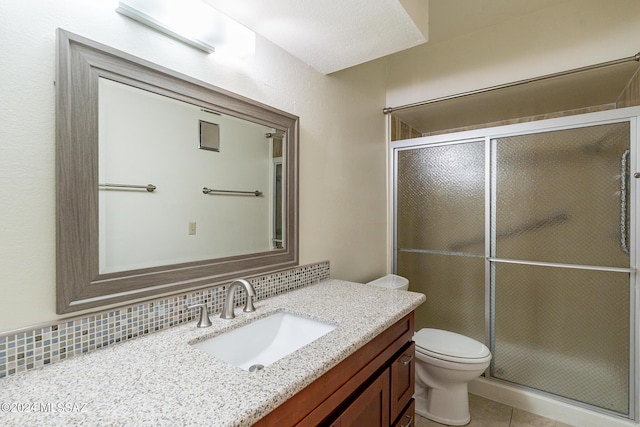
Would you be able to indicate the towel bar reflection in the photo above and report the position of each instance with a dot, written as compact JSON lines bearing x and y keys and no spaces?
{"x":149,"y":187}
{"x":213,"y":191}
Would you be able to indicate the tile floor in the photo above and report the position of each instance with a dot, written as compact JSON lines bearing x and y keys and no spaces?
{"x":487,"y":413}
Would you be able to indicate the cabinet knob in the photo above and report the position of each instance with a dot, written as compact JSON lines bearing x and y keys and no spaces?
{"x":636,"y":175}
{"x":406,"y":359}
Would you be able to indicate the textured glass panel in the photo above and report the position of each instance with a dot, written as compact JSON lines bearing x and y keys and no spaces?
{"x":440,"y":193}
{"x":558,"y":196}
{"x":564,"y":331}
{"x":454,"y":287}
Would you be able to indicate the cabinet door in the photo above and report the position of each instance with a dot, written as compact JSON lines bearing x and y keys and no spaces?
{"x":371,"y":408}
{"x":403,"y":371}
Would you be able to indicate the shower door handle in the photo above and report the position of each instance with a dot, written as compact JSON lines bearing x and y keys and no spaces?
{"x":623,"y":202}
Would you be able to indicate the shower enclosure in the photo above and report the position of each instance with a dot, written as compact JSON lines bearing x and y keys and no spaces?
{"x":523,"y":237}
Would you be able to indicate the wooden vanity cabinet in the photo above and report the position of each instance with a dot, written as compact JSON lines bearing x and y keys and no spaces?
{"x":372,"y":387}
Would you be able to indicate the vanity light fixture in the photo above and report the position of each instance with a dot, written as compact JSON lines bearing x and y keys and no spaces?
{"x":193,"y":22}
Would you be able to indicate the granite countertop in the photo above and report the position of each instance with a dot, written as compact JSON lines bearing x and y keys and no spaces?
{"x":159,"y":379}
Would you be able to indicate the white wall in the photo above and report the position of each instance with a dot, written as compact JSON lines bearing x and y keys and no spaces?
{"x":569,"y":35}
{"x":342,"y":153}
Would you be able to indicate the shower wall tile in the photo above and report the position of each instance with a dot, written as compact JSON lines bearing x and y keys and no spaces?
{"x":24,"y":350}
{"x":592,"y":109}
{"x":401,"y":130}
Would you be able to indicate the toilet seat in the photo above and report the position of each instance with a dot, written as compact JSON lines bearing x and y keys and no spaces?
{"x":449,"y":346}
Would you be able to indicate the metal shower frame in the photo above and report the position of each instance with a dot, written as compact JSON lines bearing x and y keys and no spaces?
{"x":630,"y":114}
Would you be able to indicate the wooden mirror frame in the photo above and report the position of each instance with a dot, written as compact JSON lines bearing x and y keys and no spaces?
{"x":80,"y":63}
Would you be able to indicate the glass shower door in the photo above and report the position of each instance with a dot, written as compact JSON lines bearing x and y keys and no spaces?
{"x":440,"y":229}
{"x":560,"y":277}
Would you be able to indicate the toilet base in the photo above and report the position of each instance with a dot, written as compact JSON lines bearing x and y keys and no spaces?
{"x":450,"y":407}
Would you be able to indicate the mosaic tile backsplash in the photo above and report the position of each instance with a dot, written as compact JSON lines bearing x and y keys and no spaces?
{"x":67,"y":338}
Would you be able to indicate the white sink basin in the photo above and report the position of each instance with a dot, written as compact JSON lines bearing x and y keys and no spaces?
{"x":265,"y":340}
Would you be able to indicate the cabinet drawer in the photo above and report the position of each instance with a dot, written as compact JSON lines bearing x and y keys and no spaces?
{"x":407,"y":418}
{"x":403,"y":369}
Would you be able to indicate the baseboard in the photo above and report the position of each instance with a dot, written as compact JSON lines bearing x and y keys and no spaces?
{"x":544,"y":406}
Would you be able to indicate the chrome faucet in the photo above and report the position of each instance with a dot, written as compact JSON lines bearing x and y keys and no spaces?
{"x":227,"y":307}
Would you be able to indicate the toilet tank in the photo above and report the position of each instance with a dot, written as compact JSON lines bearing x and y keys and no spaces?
{"x":391,"y":281}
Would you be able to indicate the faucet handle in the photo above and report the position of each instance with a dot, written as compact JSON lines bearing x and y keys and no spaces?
{"x":204,"y":321}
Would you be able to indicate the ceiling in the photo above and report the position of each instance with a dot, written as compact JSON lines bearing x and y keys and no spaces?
{"x":331,"y":35}
{"x":449,"y":19}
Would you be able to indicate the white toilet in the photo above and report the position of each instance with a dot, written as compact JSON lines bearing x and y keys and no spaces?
{"x":445,"y":363}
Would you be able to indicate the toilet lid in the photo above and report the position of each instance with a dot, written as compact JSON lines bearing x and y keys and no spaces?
{"x":449,"y":344}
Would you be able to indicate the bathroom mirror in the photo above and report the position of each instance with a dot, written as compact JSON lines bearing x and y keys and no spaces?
{"x":151,"y":201}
